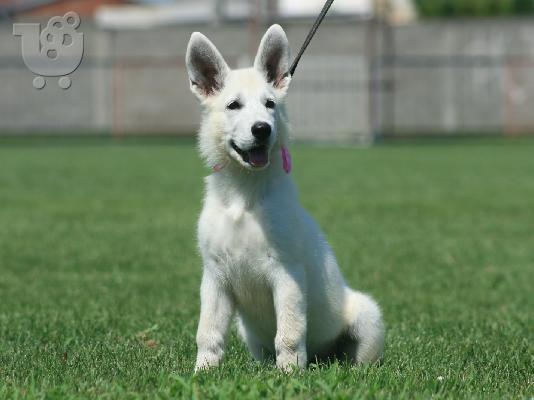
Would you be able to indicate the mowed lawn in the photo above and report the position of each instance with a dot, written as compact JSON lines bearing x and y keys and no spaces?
{"x":99,"y":271}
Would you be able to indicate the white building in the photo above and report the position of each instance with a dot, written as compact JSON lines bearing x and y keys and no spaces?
{"x":149,"y":13}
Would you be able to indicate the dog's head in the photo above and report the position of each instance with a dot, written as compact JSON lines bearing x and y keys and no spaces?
{"x":243,"y":118}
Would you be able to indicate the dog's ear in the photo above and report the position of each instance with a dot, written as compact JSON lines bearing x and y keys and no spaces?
{"x":272,"y":58}
{"x":205,"y":66}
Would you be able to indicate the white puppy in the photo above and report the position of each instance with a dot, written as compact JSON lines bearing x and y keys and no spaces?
{"x":263,"y":255}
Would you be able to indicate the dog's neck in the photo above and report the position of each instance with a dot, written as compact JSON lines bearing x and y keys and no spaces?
{"x":235,"y":182}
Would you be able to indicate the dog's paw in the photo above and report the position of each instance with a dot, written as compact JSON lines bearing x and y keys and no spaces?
{"x":289,"y":362}
{"x":206,"y":361}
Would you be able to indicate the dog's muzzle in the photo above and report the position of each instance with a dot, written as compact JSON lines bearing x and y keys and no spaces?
{"x":257,"y":156}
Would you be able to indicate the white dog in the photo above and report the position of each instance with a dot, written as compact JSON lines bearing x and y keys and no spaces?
{"x":263,"y":255}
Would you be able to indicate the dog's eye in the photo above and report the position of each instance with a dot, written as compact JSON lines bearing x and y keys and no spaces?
{"x":270,"y":103}
{"x":234,"y":105}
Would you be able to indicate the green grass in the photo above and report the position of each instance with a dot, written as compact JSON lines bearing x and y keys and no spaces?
{"x":99,"y":271}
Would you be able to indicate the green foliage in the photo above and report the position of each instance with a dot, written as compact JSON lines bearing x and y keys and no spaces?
{"x":474,"y":8}
{"x":99,"y":271}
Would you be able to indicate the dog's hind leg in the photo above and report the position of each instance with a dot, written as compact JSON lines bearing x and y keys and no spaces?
{"x":363,"y":342}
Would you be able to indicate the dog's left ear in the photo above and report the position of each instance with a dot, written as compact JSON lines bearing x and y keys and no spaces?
{"x":272,"y":58}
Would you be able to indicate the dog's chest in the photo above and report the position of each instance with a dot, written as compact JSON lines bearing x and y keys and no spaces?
{"x":236,"y":238}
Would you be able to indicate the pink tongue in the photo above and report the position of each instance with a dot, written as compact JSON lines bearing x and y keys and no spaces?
{"x":258,"y":157}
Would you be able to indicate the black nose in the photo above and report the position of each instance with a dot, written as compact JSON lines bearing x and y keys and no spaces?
{"x":261,"y":130}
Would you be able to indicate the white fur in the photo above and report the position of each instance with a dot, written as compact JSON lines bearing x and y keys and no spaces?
{"x":264,"y":256}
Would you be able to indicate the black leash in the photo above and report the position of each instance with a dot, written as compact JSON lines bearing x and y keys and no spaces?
{"x":316,"y":24}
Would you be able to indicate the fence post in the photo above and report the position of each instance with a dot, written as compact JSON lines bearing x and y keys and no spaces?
{"x":370,"y":46}
{"x":117,"y":129}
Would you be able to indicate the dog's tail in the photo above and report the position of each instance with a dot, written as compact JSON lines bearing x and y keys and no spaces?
{"x":365,"y":326}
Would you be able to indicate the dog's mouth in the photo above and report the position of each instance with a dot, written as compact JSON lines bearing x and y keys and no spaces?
{"x":257,"y":156}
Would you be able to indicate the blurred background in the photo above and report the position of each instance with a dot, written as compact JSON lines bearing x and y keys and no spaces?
{"x":375,"y":69}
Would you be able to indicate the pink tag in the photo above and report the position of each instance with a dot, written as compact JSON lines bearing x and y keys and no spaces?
{"x":286,"y":159}
{"x":218,"y":167}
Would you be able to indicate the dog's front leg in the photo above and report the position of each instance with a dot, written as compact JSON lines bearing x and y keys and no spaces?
{"x":289,"y":294}
{"x":216,"y":311}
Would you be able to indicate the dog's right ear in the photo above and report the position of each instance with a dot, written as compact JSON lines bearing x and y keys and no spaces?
{"x":205,"y":66}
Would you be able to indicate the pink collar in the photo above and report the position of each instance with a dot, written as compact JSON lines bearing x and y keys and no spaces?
{"x":286,"y":159}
